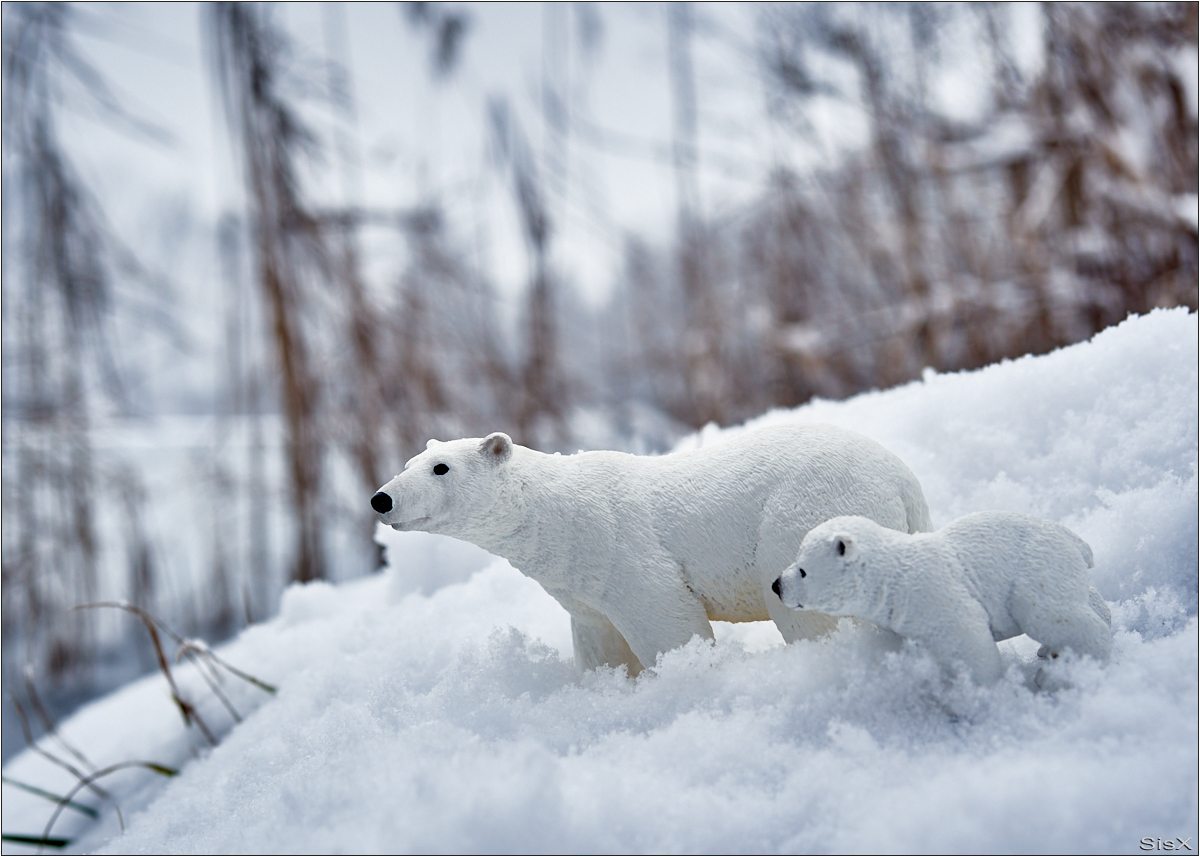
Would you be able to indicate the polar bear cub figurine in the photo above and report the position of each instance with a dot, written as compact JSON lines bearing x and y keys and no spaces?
{"x":643,"y":551}
{"x":985,"y":577}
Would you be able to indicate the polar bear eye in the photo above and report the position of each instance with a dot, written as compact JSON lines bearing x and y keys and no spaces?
{"x":841,"y":548}
{"x":440,"y":469}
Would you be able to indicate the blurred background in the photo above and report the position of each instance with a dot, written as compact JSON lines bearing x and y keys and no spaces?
{"x":254,"y":256}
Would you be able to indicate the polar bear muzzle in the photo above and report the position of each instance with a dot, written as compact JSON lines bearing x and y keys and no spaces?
{"x":777,"y":586}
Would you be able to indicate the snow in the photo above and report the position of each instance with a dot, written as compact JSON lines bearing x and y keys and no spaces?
{"x":434,"y":707}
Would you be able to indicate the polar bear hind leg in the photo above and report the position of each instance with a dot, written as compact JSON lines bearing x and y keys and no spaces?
{"x":1077,"y":627}
{"x":598,"y":643}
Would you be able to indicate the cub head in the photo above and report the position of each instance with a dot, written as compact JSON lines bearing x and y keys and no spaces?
{"x":449,"y":488}
{"x":828,"y":574}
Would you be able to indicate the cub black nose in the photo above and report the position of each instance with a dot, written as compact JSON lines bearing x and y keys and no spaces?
{"x":381,"y":503}
{"x":775,"y":588}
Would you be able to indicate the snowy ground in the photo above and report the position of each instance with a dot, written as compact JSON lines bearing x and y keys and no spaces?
{"x":434,"y":708}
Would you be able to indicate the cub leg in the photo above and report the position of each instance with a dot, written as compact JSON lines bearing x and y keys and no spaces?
{"x":1078,"y":628}
{"x":966,"y":637}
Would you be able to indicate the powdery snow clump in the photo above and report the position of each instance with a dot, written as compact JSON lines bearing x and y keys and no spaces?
{"x":435,"y":708}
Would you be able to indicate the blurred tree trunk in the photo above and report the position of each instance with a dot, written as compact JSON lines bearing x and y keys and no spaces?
{"x":705,"y":372}
{"x":539,"y":419}
{"x":250,"y":59}
{"x":1068,"y":201}
{"x":57,"y":295}
{"x":366,"y":397}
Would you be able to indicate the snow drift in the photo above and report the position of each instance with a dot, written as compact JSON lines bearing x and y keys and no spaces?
{"x":434,"y":708}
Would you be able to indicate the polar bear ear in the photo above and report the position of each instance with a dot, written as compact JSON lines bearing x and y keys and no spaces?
{"x":843,"y":546}
{"x":497,"y":447}
{"x":431,"y":443}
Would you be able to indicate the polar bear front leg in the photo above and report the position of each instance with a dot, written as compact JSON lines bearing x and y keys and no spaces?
{"x":659,"y":617}
{"x":965,"y":637}
{"x":797,"y":624}
{"x":598,"y":643}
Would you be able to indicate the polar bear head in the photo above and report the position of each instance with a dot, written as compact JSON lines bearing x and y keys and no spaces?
{"x":450,"y":488}
{"x":830,"y":573}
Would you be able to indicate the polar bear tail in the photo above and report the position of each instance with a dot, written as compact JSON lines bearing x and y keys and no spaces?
{"x":915,"y":508}
{"x":1096,"y":602}
{"x":1085,"y":550}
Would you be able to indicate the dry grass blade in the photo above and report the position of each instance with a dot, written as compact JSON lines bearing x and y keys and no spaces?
{"x":201,"y":647}
{"x":48,"y":722}
{"x":40,"y":841}
{"x":46,"y":754}
{"x":211,"y":678}
{"x":207,"y":664}
{"x":199,"y":653}
{"x":186,"y":709}
{"x":103,"y":772}
{"x":34,"y":790}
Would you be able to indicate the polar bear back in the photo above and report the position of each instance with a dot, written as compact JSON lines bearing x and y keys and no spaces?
{"x":726,"y":517}
{"x":733,"y":515}
{"x":980,"y":579}
{"x":1010,"y":561}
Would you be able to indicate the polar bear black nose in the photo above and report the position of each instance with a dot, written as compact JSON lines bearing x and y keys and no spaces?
{"x":775,"y":588}
{"x":381,"y":503}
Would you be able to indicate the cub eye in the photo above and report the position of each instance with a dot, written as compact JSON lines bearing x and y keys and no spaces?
{"x":841,"y":548}
{"x":802,"y":574}
{"x":440,"y":469}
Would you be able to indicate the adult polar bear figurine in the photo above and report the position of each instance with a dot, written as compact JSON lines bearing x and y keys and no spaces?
{"x":643,"y":551}
{"x":985,"y":577}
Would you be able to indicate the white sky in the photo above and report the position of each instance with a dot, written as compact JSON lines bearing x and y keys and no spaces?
{"x":420,"y":138}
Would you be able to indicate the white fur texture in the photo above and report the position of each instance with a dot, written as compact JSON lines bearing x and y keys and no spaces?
{"x":643,"y":551}
{"x":982,"y":578}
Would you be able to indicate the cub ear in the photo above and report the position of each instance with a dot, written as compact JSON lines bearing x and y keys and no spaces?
{"x":431,"y":443}
{"x":843,"y":546}
{"x":497,"y":447}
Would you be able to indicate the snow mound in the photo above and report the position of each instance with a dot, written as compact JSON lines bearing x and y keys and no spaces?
{"x":434,"y":708}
